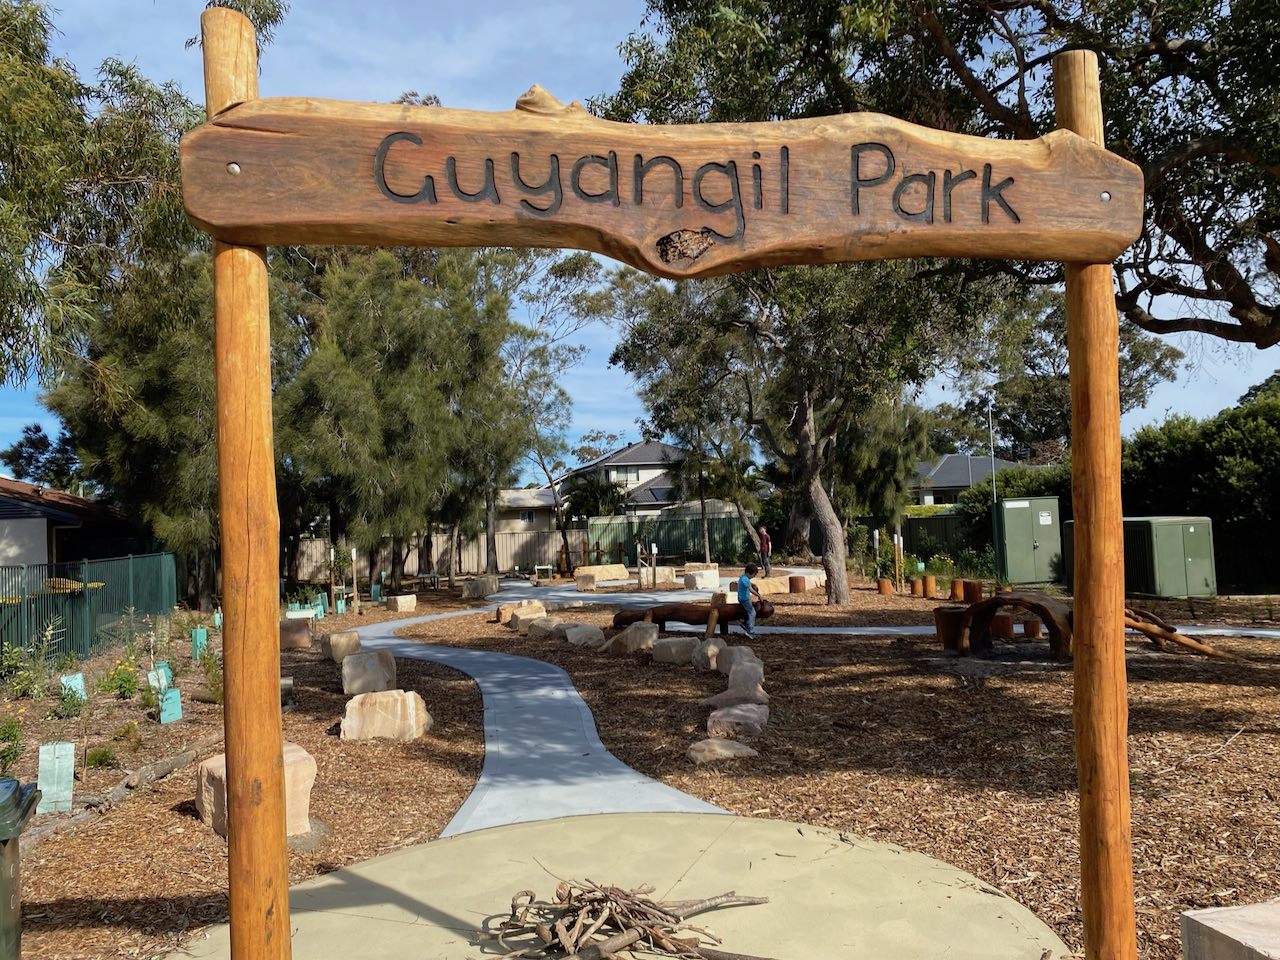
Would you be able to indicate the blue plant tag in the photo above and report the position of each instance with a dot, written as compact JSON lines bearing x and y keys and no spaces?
{"x":56,"y":775}
{"x":74,"y":683}
{"x":170,"y":705}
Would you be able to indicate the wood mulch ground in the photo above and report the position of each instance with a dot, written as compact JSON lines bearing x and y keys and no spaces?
{"x":967,"y":761}
{"x":137,"y":880}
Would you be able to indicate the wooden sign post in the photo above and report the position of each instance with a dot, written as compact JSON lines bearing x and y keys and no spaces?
{"x":677,"y":201}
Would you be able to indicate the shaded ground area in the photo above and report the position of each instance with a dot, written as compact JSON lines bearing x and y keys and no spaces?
{"x":968,"y":761}
{"x":133,"y":882}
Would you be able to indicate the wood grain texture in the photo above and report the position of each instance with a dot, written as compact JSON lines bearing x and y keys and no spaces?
{"x":1101,"y":708}
{"x":678,"y":201}
{"x":258,"y":859}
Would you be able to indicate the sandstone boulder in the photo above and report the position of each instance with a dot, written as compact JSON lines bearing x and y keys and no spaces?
{"x":507,"y":609}
{"x":741,"y":720}
{"x":710,"y":750}
{"x":403,"y":603}
{"x":390,"y":714}
{"x":299,"y":778}
{"x":295,"y":634}
{"x":696,"y":567}
{"x":338,"y":645}
{"x":706,"y":653}
{"x":477,"y":588}
{"x":735,"y":655}
{"x":637,"y":637}
{"x":540,"y":629}
{"x":368,"y":672}
{"x":566,"y":605}
{"x":677,"y":650}
{"x":768,"y":585}
{"x":702,"y":580}
{"x":584,"y":635}
{"x":746,"y":685}
{"x":521,"y":619}
{"x":604,"y":571}
{"x":585,"y":582}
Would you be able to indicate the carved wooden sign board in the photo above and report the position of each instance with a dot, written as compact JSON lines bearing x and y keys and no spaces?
{"x":677,"y":201}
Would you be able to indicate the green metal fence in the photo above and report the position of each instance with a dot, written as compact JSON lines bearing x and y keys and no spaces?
{"x":81,"y":603}
{"x":673,"y":535}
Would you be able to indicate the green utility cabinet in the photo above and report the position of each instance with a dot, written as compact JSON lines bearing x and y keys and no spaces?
{"x":1030,"y":539}
{"x":1163,"y":556}
{"x":17,"y":804}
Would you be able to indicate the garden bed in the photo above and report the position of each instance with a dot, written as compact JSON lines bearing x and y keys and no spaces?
{"x":885,"y":738}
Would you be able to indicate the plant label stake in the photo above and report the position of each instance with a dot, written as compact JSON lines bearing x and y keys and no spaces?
{"x":56,"y":774}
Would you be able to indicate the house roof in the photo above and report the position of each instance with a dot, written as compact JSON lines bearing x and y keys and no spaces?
{"x":653,"y":453}
{"x":660,"y":490}
{"x":27,"y":500}
{"x":957,"y":470}
{"x":530,"y":499}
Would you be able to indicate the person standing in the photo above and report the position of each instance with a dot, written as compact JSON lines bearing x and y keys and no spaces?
{"x":766,"y":548}
{"x":745,"y":589}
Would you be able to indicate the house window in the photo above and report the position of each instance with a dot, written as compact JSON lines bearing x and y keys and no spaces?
{"x":626,"y":474}
{"x":526,"y":516}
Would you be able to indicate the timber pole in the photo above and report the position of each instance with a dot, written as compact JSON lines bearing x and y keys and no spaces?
{"x":1101,"y":709}
{"x":258,"y":859}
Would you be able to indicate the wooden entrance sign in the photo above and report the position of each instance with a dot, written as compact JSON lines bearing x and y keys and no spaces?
{"x":681,"y":201}
{"x":678,"y":201}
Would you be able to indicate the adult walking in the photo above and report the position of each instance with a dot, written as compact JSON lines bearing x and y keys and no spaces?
{"x":766,"y":548}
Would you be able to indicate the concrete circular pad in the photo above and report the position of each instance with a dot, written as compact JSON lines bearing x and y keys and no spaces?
{"x":831,"y":895}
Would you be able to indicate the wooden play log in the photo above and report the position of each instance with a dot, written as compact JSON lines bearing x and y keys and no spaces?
{"x":797,"y":584}
{"x":1031,"y":628}
{"x":973,"y":591}
{"x":1002,"y":626}
{"x":917,"y":586}
{"x":930,"y":585}
{"x":1101,"y":709}
{"x":948,"y":621}
{"x":957,"y":591}
{"x":884,"y":586}
{"x":257,"y":858}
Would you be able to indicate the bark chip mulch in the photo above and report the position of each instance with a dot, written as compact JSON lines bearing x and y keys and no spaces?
{"x":968,"y":761}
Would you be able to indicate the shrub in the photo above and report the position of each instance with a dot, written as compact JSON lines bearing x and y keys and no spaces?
{"x":128,"y":735}
{"x":100,"y":757}
{"x":10,"y":743}
{"x":122,"y":680}
{"x":211,"y":666}
{"x":69,"y":705}
{"x":147,"y":699}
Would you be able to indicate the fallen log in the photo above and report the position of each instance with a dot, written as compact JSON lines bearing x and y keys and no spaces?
{"x":695,"y":614}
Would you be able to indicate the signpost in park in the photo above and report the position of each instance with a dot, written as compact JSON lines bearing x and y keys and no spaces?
{"x":680,"y":201}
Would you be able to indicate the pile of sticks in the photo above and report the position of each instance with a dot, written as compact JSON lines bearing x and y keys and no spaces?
{"x":588,"y":921}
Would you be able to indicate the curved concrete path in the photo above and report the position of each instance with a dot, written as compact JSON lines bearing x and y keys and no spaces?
{"x":543,"y":758}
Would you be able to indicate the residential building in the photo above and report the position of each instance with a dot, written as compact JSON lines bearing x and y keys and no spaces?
{"x":944,"y":479}
{"x":43,"y":525}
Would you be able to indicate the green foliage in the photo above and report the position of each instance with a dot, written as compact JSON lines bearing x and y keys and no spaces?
{"x":147,"y":698}
{"x":211,"y":667}
{"x":100,"y":757}
{"x":37,"y":459}
{"x":69,"y":705}
{"x":32,"y":672}
{"x":121,"y":680}
{"x":10,"y":743}
{"x":1268,"y":387}
{"x":128,"y":735}
{"x":974,"y":505}
{"x":593,"y":494}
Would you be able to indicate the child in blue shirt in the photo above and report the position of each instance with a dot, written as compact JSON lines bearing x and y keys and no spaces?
{"x":745,"y":589}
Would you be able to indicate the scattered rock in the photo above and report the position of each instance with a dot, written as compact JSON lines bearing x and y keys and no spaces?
{"x":390,"y":714}
{"x":507,"y":609}
{"x":299,"y":778}
{"x":338,"y":645}
{"x":368,"y":672}
{"x":585,"y":582}
{"x":677,"y":650}
{"x":710,"y":750}
{"x":403,"y":603}
{"x":567,"y":605}
{"x":732,"y":655}
{"x":604,"y":571}
{"x":584,"y":635}
{"x":540,"y":629}
{"x":702,"y":580}
{"x":637,"y":637}
{"x":741,"y":720}
{"x":521,"y":619}
{"x":768,"y":585}
{"x":478,"y":588}
{"x":295,"y":634}
{"x":706,"y":653}
{"x":746,"y":685}
{"x":696,"y":567}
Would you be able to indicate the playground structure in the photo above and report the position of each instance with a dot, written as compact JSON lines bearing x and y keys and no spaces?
{"x":823,"y":190}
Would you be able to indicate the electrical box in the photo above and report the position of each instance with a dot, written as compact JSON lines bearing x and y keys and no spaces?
{"x":1030,"y":539}
{"x":1163,"y":557}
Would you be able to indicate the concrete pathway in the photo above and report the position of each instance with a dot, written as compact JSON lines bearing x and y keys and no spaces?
{"x":543,"y":758}
{"x":830,"y":894}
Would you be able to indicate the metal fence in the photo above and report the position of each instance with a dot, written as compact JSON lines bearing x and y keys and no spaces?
{"x":81,"y":603}
{"x":675,"y":536}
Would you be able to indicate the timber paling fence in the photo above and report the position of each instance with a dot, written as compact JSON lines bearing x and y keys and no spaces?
{"x":81,"y":604}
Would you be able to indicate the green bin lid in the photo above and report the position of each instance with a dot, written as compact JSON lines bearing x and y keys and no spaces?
{"x":16,"y":805}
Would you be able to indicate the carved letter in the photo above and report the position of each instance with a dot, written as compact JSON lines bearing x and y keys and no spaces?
{"x":640,"y":169}
{"x":730,"y":171}
{"x":856,"y":162}
{"x":990,"y":193}
{"x":489,"y":189}
{"x":949,"y":183}
{"x":428,"y":191}
{"x":925,"y":214}
{"x":785,"y":176}
{"x":757,"y":197}
{"x":551,"y":186}
{"x":611,"y":164}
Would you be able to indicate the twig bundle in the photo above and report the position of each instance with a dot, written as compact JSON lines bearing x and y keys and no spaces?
{"x":589,"y":921}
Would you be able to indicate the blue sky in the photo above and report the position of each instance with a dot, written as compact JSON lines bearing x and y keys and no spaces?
{"x":480,"y":58}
